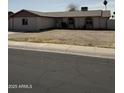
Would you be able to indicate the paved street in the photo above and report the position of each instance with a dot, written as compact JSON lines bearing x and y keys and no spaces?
{"x":60,"y":73}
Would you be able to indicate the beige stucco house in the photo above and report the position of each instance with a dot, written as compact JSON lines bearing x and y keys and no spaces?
{"x":28,"y":20}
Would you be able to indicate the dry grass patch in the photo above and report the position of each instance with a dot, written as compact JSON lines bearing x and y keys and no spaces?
{"x":71,"y":37}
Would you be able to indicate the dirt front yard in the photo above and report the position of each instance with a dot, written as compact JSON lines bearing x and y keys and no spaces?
{"x":99,"y":38}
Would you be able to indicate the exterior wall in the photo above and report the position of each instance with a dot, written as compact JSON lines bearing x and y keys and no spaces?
{"x":45,"y":23}
{"x":34,"y":23}
{"x":79,"y":22}
{"x":100,"y":23}
{"x":96,"y":23}
{"x":103,"y":23}
{"x":16,"y":24}
{"x":10,"y":22}
{"x":59,"y":22}
{"x":111,"y":24}
{"x":39,"y":23}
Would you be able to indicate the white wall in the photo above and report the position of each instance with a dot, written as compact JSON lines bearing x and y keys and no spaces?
{"x":39,"y":23}
{"x":45,"y":23}
{"x":17,"y":24}
{"x":34,"y":23}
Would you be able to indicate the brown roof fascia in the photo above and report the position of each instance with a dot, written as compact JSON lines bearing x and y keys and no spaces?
{"x":27,"y":12}
{"x":22,"y":11}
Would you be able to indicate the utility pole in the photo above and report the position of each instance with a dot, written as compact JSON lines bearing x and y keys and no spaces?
{"x":105,"y":3}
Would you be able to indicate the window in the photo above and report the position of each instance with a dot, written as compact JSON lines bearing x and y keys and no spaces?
{"x":24,"y":21}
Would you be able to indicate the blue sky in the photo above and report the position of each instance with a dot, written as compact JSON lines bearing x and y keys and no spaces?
{"x":57,"y":5}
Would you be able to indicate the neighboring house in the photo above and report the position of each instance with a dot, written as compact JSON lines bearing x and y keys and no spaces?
{"x":28,"y":20}
{"x":10,"y":13}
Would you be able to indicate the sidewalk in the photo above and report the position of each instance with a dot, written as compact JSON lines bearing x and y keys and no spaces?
{"x":66,"y":49}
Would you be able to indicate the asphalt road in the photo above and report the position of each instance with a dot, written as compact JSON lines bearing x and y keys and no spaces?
{"x":43,"y":72}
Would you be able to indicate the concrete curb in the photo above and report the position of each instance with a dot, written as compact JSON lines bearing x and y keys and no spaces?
{"x":66,"y":49}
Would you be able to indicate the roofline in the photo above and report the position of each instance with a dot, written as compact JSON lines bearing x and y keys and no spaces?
{"x":23,"y":10}
{"x":55,"y":12}
{"x":67,"y":11}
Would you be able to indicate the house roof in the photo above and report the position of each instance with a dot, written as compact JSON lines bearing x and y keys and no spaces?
{"x":10,"y":13}
{"x":92,"y":13}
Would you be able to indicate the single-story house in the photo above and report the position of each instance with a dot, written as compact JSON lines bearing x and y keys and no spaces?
{"x":28,"y":20}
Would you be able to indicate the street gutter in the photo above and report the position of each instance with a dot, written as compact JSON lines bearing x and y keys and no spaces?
{"x":64,"y":49}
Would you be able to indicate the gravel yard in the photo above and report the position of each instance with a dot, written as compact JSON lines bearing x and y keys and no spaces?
{"x":98,"y":38}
